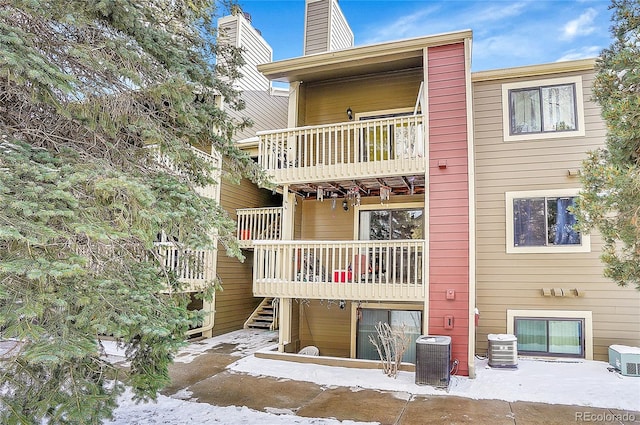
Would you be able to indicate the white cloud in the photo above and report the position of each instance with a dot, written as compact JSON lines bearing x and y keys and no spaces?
{"x":582,"y":25}
{"x":506,"y":51}
{"x":581,"y":53}
{"x":505,"y":34}
{"x":433,"y":20}
{"x":494,"y":13}
{"x":406,"y":26}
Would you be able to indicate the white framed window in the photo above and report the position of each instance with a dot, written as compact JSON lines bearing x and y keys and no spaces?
{"x":552,"y":333}
{"x":543,"y":109}
{"x":411,"y":212}
{"x":541,"y":221}
{"x":394,"y":221}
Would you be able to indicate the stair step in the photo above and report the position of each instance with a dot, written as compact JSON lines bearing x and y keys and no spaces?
{"x":260,"y":325}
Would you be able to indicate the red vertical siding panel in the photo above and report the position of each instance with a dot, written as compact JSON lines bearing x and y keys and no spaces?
{"x":449,"y":187}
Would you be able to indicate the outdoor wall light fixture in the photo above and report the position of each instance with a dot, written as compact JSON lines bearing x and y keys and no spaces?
{"x":345,"y":205}
{"x":350,"y":114}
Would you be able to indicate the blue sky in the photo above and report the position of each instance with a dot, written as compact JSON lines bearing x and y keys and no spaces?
{"x":505,"y":33}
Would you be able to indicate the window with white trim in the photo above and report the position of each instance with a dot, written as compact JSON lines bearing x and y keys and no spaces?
{"x":543,"y":109}
{"x":543,"y":221}
{"x":553,"y":333}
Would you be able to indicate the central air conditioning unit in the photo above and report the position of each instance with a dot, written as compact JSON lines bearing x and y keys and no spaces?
{"x":626,"y":359}
{"x":433,"y":360}
{"x":503,"y":350}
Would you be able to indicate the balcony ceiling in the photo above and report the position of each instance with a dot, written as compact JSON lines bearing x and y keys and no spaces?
{"x":400,"y":185}
{"x":350,"y":69}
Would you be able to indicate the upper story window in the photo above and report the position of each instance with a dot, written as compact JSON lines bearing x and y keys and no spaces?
{"x":542,"y":221}
{"x":543,"y":109}
{"x":391,"y":224}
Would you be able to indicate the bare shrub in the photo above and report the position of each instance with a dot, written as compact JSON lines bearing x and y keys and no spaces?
{"x":391,"y":345}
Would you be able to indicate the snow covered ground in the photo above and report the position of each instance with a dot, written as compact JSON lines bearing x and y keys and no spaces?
{"x":573,"y":382}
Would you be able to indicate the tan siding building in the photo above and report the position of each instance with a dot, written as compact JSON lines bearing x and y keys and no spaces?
{"x":540,"y":284}
{"x":486,"y":163}
{"x":266,"y":110}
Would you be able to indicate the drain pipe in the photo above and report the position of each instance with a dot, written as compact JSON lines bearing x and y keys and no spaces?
{"x":207,"y":327}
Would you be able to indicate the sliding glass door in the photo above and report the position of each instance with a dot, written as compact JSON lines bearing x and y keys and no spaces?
{"x":369,"y":318}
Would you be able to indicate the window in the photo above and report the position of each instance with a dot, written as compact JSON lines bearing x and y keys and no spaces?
{"x":542,"y":221}
{"x":383,"y":225}
{"x":555,"y":333}
{"x":543,"y":109}
{"x":389,"y":261}
{"x":557,"y":337}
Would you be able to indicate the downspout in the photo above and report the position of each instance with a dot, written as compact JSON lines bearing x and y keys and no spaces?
{"x":214,"y":265}
{"x":426,"y":143}
{"x":472,"y":215}
{"x":207,"y":328}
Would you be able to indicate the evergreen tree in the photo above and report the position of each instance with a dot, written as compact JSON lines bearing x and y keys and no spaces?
{"x":610,"y":200}
{"x":86,"y":88}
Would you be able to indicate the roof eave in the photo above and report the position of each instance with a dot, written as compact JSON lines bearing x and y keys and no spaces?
{"x":535,"y":70}
{"x":287,"y":70}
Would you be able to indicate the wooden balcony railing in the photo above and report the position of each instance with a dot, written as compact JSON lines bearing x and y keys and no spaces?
{"x":210,"y":191}
{"x":354,"y":149}
{"x":193,"y":268}
{"x":349,"y":270}
{"x":263,"y":224}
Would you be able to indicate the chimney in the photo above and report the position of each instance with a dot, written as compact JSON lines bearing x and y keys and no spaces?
{"x":325,"y":27}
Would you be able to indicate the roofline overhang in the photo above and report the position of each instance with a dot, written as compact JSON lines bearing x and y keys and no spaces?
{"x":249,"y":142}
{"x":290,"y":70}
{"x":534,"y":70}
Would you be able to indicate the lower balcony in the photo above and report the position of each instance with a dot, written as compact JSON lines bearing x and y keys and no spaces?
{"x":367,"y":154}
{"x":345,"y":270}
{"x":193,"y":268}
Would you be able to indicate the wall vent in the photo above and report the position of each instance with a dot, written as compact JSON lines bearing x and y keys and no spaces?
{"x":433,"y":360}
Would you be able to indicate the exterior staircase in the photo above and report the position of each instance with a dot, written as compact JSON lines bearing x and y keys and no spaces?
{"x":265,"y":316}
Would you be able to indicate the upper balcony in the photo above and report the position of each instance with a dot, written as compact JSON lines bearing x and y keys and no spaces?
{"x":339,"y":156}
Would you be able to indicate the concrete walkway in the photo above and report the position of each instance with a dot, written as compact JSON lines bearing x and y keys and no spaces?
{"x":208,"y":380}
